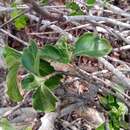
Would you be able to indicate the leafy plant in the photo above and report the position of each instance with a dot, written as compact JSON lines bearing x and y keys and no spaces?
{"x":102,"y":127}
{"x":21,"y":21}
{"x":75,"y":8}
{"x":39,"y":76}
{"x":42,"y":79}
{"x":36,"y":68}
{"x":116,"y":111}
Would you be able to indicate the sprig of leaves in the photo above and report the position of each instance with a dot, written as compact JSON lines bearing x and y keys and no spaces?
{"x":40,"y":77}
{"x":116,"y":112}
{"x":75,"y":8}
{"x":21,"y":21}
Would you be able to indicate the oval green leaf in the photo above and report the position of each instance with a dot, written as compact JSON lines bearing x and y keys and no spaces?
{"x":12,"y":86}
{"x":56,"y":53}
{"x":30,"y":58}
{"x":102,"y":127}
{"x":53,"y":81}
{"x":92,"y":46}
{"x":50,"y":52}
{"x":11,"y":56}
{"x":45,"y":68}
{"x":90,"y":2}
{"x":44,"y":100}
{"x":21,"y":21}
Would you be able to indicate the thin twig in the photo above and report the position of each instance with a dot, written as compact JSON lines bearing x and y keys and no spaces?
{"x":119,"y":61}
{"x":97,"y":18}
{"x":87,"y":77}
{"x":43,"y":11}
{"x":116,"y":72}
{"x":24,"y":7}
{"x":14,"y":37}
{"x":126,"y":47}
{"x":52,"y":26}
{"x":114,"y":9}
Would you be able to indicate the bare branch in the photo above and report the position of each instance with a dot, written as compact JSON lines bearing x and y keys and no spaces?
{"x":97,"y":18}
{"x":119,"y":75}
{"x":43,"y":11}
{"x":52,"y":26}
{"x":14,"y":37}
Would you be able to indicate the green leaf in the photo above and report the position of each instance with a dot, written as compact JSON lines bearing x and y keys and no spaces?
{"x":108,"y":102}
{"x":102,"y":127}
{"x":50,"y":52}
{"x":5,"y":125}
{"x":12,"y":85}
{"x":65,"y":49}
{"x":21,"y":21}
{"x":59,"y":53}
{"x":112,"y":100}
{"x":92,"y":46}
{"x":28,"y":61}
{"x":10,"y":51}
{"x":10,"y":61}
{"x":45,"y":68}
{"x":29,"y":82}
{"x":116,"y":111}
{"x":44,"y":100}
{"x":90,"y":2}
{"x":114,"y":118}
{"x":11,"y":56}
{"x":30,"y":58}
{"x":72,"y":5}
{"x":53,"y":81}
{"x":75,"y":8}
{"x":32,"y":61}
